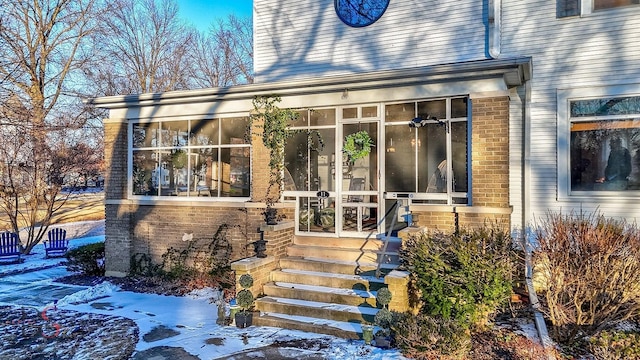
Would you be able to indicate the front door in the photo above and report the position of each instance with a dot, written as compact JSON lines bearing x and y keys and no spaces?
{"x":359,"y":181}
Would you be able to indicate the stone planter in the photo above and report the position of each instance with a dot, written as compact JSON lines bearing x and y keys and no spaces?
{"x":232,"y":314}
{"x":367,"y":334}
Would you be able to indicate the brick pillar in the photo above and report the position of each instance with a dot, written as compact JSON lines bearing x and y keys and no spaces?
{"x":398,"y":283}
{"x":118,"y":219}
{"x":490,"y":151}
{"x":279,"y":237}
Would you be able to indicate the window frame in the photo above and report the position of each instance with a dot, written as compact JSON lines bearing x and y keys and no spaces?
{"x":563,"y":141}
{"x":450,"y":197}
{"x":584,"y":7}
{"x":190,"y":148}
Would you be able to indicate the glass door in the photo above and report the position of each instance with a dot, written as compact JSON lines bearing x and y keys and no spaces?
{"x":359,"y":178}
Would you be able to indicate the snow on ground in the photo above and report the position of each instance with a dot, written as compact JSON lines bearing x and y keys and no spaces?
{"x":189,"y":321}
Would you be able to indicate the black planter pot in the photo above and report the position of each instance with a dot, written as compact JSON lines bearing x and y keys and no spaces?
{"x":244,"y":319}
{"x":381,"y":341}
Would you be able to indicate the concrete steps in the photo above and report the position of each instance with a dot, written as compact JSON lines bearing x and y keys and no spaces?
{"x":326,"y":285}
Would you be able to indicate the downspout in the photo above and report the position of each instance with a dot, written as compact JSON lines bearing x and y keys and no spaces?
{"x":526,"y":233}
{"x":494,"y":27}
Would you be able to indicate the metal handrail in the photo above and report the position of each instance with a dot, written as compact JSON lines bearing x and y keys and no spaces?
{"x":388,"y":235}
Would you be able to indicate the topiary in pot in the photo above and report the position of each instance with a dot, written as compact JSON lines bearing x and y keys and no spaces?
{"x":245,"y":300}
{"x":383,"y":319}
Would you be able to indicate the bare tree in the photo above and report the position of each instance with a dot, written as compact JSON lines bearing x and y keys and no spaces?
{"x":146,"y":49}
{"x":224,"y":56}
{"x":45,"y":47}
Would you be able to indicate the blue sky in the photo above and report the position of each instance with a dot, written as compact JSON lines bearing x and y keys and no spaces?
{"x":202,"y":12}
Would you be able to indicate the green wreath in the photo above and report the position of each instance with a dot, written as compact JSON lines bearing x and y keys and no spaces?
{"x":357,"y":146}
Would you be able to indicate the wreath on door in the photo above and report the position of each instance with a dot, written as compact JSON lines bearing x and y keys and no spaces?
{"x":357,"y":146}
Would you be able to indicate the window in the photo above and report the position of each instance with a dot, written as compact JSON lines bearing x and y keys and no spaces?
{"x":565,"y":8}
{"x":190,"y":158}
{"x":605,"y":136}
{"x":606,"y":4}
{"x":430,"y":158}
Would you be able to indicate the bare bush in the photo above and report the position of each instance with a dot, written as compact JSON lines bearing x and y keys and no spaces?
{"x":592,"y":270}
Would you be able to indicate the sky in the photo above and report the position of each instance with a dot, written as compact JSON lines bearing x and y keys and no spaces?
{"x":202,"y":12}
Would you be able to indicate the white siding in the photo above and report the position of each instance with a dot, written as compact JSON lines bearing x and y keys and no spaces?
{"x":598,"y":49}
{"x":297,"y":39}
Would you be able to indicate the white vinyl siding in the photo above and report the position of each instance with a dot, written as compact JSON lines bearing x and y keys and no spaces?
{"x":597,"y":49}
{"x":305,"y":38}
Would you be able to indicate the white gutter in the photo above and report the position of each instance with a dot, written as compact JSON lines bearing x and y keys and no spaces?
{"x":514,"y":71}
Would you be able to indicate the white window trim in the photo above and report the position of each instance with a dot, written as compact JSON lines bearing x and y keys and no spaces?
{"x":564,"y":96}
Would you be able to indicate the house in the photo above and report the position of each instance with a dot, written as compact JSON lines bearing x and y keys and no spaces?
{"x":476,"y":109}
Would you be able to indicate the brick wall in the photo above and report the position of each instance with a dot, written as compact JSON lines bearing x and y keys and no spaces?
{"x":152,"y":229}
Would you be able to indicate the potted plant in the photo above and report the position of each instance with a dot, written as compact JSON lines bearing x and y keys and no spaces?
{"x":383,"y":319}
{"x":272,"y":123}
{"x":245,"y":300}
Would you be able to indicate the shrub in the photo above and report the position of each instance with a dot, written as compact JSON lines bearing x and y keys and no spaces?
{"x":428,"y":337}
{"x":614,"y":345}
{"x":463,"y":276}
{"x":87,"y":259}
{"x":591,"y":266}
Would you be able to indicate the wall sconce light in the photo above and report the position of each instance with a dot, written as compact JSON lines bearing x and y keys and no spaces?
{"x":390,"y":148}
{"x":345,"y":94}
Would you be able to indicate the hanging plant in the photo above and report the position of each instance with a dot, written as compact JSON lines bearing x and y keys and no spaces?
{"x":179,"y":159}
{"x":357,"y":146}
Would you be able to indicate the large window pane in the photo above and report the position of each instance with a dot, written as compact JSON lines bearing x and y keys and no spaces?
{"x":459,"y":154}
{"x":174,"y":133}
{"x":459,"y":108}
{"x":366,"y":167}
{"x":605,"y":156}
{"x":321,"y":117}
{"x":432,"y":158}
{"x":204,"y":132}
{"x":234,"y":130}
{"x":400,"y":158}
{"x":145,"y":135}
{"x":145,"y":169}
{"x":400,"y":112}
{"x":607,"y":106}
{"x":606,"y":4}
{"x":433,"y":108}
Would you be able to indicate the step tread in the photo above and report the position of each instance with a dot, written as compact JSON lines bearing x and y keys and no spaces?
{"x":344,"y":262}
{"x":331,"y":275}
{"x":325,"y":289}
{"x":322,"y":248}
{"x":342,"y":328}
{"x":321,"y":305}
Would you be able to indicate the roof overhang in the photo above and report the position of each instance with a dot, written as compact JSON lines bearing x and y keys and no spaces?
{"x":514,"y":72}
